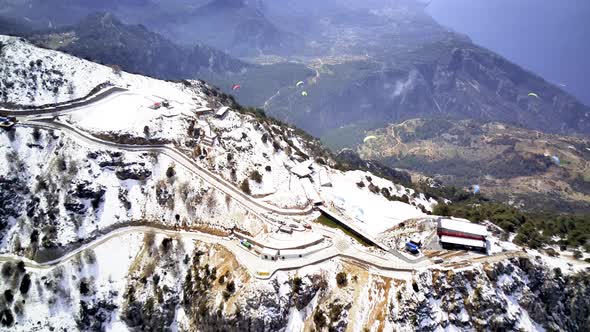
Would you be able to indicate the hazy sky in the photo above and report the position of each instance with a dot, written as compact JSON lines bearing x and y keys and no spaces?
{"x":548,"y":37}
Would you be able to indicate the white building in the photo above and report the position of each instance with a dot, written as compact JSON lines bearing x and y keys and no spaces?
{"x":268,"y":253}
{"x":203,"y":111}
{"x":463,"y":233}
{"x":303,"y":169}
{"x":222,"y":112}
{"x":310,"y":192}
{"x":461,"y":228}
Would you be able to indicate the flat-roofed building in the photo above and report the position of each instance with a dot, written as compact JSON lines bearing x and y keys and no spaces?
{"x":303,"y":169}
{"x":222,"y":112}
{"x":268,"y":253}
{"x":311,"y":192}
{"x":454,"y":233}
{"x":286,"y":229}
{"x":459,"y":228}
{"x":203,"y":111}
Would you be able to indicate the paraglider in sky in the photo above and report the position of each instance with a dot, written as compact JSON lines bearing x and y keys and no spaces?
{"x":300,"y":83}
{"x":532,"y":94}
{"x":476,"y":189}
{"x":555,"y":160}
{"x":368,"y":138}
{"x":236,"y":87}
{"x":304,"y":93}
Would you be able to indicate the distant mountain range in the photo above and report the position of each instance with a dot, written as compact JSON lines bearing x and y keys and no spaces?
{"x":450,"y":78}
{"x":234,"y":26}
{"x":550,"y":40}
{"x":104,"y":38}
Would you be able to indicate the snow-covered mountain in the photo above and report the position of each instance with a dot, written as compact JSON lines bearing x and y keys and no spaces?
{"x":129,"y":203}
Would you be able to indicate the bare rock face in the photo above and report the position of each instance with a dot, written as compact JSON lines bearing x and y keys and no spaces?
{"x":133,"y":172}
{"x":497,"y":297}
{"x":87,"y":191}
{"x":123,"y":170}
{"x":10,"y":197}
{"x":310,"y":286}
{"x":75,"y":205}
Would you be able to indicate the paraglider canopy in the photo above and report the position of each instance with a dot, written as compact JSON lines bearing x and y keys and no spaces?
{"x":556,"y":160}
{"x":300,"y":83}
{"x":532,"y":94}
{"x":304,"y":93}
{"x":236,"y":87}
{"x":368,"y":138}
{"x":476,"y":189}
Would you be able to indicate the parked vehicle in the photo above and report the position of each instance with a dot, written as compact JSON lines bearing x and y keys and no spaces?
{"x":246,"y":244}
{"x":414,"y":249}
{"x":7,"y":122}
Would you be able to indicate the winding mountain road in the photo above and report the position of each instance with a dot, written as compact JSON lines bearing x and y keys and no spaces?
{"x":258,"y":267}
{"x":342,"y":248}
{"x":66,"y":107}
{"x":250,"y":260}
{"x":252,"y":204}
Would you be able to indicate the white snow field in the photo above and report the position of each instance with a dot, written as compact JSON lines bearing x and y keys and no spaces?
{"x":372,"y":212}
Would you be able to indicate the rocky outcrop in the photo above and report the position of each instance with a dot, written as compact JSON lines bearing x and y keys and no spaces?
{"x":505,"y":296}
{"x":11,"y":200}
{"x":74,"y":205}
{"x":89,"y":191}
{"x":10,"y":204}
{"x":518,"y":294}
{"x":123,"y":170}
{"x":133,"y":172}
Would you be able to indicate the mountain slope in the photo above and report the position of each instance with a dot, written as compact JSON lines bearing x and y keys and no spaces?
{"x":230,"y":25}
{"x":508,"y":163}
{"x":59,"y":13}
{"x":549,"y":41}
{"x":451,"y":78}
{"x":102,"y":37}
{"x":14,"y":26}
{"x":118,"y":215}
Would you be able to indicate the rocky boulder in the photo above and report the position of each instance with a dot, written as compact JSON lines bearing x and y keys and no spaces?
{"x":133,"y":172}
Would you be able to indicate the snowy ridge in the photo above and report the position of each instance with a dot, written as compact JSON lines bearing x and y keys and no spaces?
{"x":66,"y":191}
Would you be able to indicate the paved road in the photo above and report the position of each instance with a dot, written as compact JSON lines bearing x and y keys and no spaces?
{"x":252,"y":204}
{"x":343,"y":246}
{"x":65,"y":107}
{"x":250,"y":260}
